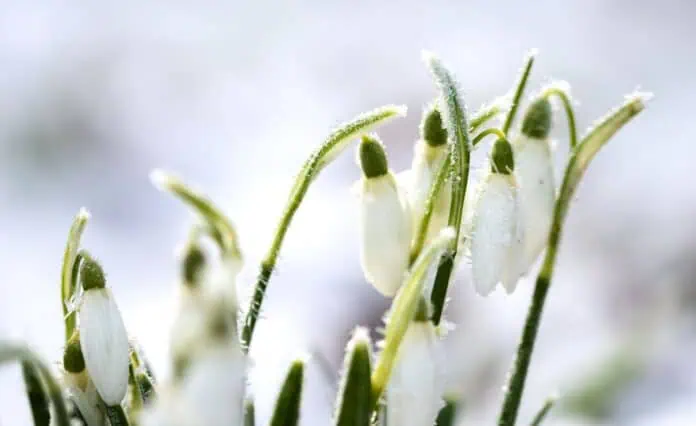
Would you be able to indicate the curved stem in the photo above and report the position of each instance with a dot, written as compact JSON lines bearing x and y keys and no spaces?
{"x":578,"y":163}
{"x":541,"y":415}
{"x":68,"y":275}
{"x":329,"y":150}
{"x":492,"y":131}
{"x":19,"y":352}
{"x":519,"y":90}
{"x":570,"y":114}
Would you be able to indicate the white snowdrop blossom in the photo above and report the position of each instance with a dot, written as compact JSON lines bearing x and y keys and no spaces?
{"x":385,"y":221}
{"x":535,"y":178}
{"x":495,"y":238}
{"x":103,"y":336}
{"x":414,"y":391}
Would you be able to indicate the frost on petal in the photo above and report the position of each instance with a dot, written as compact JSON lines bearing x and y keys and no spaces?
{"x":386,"y":234}
{"x":494,"y":224}
{"x":104,"y":344}
{"x":414,"y":392}
{"x":534,"y":174}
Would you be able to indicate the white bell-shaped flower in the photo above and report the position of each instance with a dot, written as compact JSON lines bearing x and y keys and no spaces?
{"x":385,"y":221}
{"x":78,"y":386}
{"x":429,"y":155}
{"x":535,"y":177}
{"x":103,"y":336}
{"x":414,"y":391}
{"x":495,"y":238}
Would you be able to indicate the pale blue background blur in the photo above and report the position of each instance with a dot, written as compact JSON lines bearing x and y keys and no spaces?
{"x":234,"y":95}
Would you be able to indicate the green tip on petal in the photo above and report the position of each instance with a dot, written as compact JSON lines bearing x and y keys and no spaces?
{"x":502,"y":159}
{"x":537,"y":119}
{"x":373,"y":159}
{"x":73,"y":360}
{"x":193,"y":264}
{"x":432,"y":130}
{"x":423,"y":311}
{"x":91,"y":274}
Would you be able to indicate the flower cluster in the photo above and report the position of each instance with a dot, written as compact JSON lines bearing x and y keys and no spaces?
{"x":416,"y":227}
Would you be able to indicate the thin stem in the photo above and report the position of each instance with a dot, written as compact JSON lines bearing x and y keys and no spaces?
{"x":541,"y":415}
{"x":519,"y":90}
{"x":329,"y":150}
{"x":428,"y":210}
{"x":570,"y":114}
{"x":19,"y":352}
{"x":578,"y":163}
{"x":484,"y":114}
{"x":460,"y":146}
{"x":492,"y":131}
{"x":68,"y":276}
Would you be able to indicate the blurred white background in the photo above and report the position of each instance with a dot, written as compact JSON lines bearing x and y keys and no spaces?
{"x":234,"y":95}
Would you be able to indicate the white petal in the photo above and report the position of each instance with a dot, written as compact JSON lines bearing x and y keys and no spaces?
{"x":494,"y":229}
{"x":88,"y":404}
{"x":386,"y":233}
{"x":414,"y":392}
{"x":534,"y":174}
{"x":104,"y":344}
{"x":214,"y":387}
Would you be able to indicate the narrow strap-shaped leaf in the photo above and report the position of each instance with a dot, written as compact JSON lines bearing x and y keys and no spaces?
{"x":36,"y":394}
{"x":287,"y":406}
{"x":117,"y":416}
{"x":249,"y":412}
{"x":541,"y":415}
{"x":519,"y":90}
{"x":353,"y":403}
{"x":68,"y":275}
{"x":448,"y":413}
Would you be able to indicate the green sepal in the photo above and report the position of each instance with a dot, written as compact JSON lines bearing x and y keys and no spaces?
{"x":431,"y":128}
{"x":537,"y":119}
{"x":354,"y":397}
{"x":502,"y":158}
{"x":373,"y":158}
{"x":73,"y":359}
{"x":91,"y":274}
{"x":287,"y":406}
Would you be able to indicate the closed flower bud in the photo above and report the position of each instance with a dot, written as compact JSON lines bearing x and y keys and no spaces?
{"x":535,"y":177}
{"x":495,"y":238}
{"x":414,"y":392}
{"x":103,"y":336}
{"x":385,"y":221}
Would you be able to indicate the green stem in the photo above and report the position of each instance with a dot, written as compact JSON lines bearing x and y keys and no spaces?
{"x":484,"y":114}
{"x":492,"y":131}
{"x":14,"y":351}
{"x":336,"y":142}
{"x":68,"y":275}
{"x":578,"y":163}
{"x":519,"y":90}
{"x":116,"y":415}
{"x":570,"y":114}
{"x":428,"y":210}
{"x":541,"y":415}
{"x":460,"y":146}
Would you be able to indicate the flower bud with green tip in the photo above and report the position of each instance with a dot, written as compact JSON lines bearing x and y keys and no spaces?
{"x":414,"y":392}
{"x":385,"y":221}
{"x":287,"y":406}
{"x":495,"y":240}
{"x":535,"y":178}
{"x":429,"y":155}
{"x":103,"y":336}
{"x":79,"y":387}
{"x":354,"y":399}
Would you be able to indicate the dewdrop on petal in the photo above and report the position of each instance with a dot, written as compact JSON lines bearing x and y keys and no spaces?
{"x":79,"y":388}
{"x":414,"y":391}
{"x":385,"y":221}
{"x":103,"y":336}
{"x":495,"y":238}
{"x":430,"y":153}
{"x":535,"y":178}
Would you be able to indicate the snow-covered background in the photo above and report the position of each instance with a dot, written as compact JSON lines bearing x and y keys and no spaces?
{"x":233,"y":95}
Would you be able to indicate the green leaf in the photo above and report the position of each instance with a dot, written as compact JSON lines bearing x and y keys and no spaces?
{"x":353,"y":408}
{"x":37,"y":395}
{"x":448,"y":413}
{"x":68,"y":275}
{"x":287,"y":407}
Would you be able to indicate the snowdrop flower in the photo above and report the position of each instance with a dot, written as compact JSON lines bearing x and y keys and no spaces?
{"x":534,"y":175}
{"x":414,"y":392}
{"x":495,"y":238}
{"x":430,"y":153}
{"x":385,"y":221}
{"x":103,"y":336}
{"x":79,"y":388}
